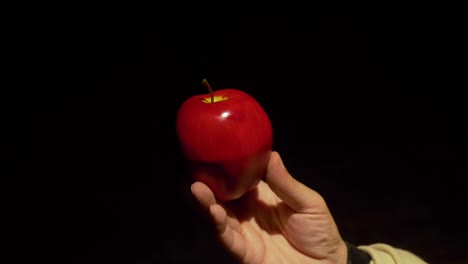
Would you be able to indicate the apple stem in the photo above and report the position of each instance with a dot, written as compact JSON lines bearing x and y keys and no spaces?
{"x":205,"y":82}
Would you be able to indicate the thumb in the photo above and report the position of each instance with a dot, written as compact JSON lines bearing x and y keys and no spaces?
{"x":295,"y":194}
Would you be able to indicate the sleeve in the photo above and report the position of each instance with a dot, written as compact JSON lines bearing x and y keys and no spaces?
{"x":385,"y":254}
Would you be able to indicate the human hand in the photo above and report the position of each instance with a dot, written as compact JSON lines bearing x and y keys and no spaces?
{"x":280,"y":221}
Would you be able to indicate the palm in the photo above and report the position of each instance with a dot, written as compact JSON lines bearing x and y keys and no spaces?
{"x":265,"y":230}
{"x":261,"y":227}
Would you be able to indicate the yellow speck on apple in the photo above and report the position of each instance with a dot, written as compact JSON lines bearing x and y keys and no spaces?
{"x":216,"y":98}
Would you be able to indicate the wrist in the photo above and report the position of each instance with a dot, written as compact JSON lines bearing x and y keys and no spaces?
{"x":356,"y":256}
{"x":342,"y":253}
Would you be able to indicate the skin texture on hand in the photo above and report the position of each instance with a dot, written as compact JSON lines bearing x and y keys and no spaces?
{"x":280,"y":221}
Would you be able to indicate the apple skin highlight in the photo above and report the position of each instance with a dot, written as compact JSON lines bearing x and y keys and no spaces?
{"x":227,"y":142}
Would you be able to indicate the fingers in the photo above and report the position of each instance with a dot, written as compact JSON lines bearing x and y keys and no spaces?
{"x":219,"y":216}
{"x":227,"y":229}
{"x":295,"y":194}
{"x":207,"y":200}
{"x":203,"y":194}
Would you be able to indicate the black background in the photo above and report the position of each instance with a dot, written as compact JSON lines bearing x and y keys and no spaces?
{"x":367,"y":108}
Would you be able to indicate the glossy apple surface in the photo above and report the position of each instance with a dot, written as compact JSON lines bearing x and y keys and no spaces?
{"x":227,"y":142}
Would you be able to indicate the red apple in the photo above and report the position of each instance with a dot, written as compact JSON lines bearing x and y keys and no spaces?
{"x":226,"y":138}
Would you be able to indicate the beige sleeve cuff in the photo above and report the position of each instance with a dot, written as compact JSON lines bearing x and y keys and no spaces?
{"x":385,"y":254}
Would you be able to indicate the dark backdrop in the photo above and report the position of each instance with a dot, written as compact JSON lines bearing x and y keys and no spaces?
{"x":366,"y":107}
